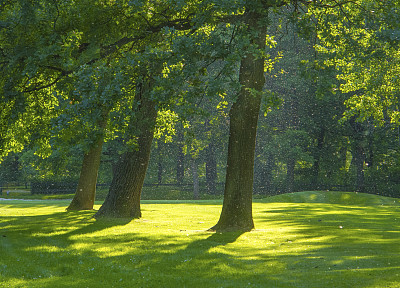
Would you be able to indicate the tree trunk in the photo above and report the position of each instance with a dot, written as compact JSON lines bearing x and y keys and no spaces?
{"x":86,"y":190}
{"x":159,"y":168}
{"x":85,"y":193}
{"x":123,"y":199}
{"x":180,"y":161}
{"x":358,"y":153}
{"x":359,"y":158}
{"x":290,"y":175}
{"x":265,"y":181}
{"x":195,"y":179}
{"x":211,"y":169}
{"x":236,"y":212}
{"x":317,"y":158}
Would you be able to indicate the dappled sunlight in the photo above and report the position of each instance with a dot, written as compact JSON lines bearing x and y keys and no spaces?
{"x":48,"y":206}
{"x":293,"y":245}
{"x":45,"y":248}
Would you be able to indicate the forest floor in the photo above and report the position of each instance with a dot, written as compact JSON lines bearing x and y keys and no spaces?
{"x":305,"y":239}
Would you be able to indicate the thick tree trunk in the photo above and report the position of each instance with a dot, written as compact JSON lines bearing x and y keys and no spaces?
{"x":86,"y":190}
{"x":123,"y":199}
{"x":236,"y":212}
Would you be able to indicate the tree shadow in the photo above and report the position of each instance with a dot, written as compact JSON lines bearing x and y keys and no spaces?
{"x":313,"y":251}
{"x":58,"y":225}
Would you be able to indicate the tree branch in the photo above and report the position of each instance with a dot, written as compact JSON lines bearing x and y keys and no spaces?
{"x":37,"y":88}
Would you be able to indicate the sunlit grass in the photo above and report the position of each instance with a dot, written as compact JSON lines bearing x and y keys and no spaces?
{"x":307,"y":239}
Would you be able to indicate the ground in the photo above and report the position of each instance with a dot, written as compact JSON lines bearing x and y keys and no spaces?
{"x":307,"y":239}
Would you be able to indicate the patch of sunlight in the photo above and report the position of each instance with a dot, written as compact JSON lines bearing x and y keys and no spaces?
{"x":106,"y":252}
{"x":52,"y":234}
{"x":15,"y":282}
{"x":32,"y":208}
{"x":360,"y":258}
{"x":331,"y":197}
{"x":379,"y":269}
{"x":387,"y":284}
{"x":103,"y":232}
{"x":44,"y":248}
{"x":337,"y":262}
{"x":312,"y":197}
{"x":345,"y":197}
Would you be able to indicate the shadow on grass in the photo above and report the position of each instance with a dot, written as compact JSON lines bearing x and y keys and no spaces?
{"x":298,"y":245}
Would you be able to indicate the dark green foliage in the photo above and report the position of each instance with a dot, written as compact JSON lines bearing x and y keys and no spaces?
{"x":62,"y":186}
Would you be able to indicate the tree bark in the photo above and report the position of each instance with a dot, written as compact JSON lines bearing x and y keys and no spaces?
{"x":195,"y":175}
{"x":317,"y":158}
{"x":211,"y":169}
{"x":236,"y":212}
{"x":123,"y":199}
{"x":290,"y":175}
{"x":265,"y":177}
{"x":180,"y":160}
{"x":358,"y":153}
{"x":159,"y":167}
{"x":359,"y":159}
{"x":86,"y":190}
{"x":85,"y":193}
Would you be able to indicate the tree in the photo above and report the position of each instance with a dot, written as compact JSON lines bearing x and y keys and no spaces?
{"x":85,"y":193}
{"x":74,"y":46}
{"x":363,"y":42}
{"x":236,"y":211}
{"x":180,"y":157}
{"x":44,"y":62}
{"x":123,"y":199}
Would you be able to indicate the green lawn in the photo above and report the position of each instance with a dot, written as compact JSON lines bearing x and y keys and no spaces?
{"x":307,"y":239}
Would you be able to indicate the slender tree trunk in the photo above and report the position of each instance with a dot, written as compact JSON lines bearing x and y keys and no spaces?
{"x":180,"y":160}
{"x":266,"y":175}
{"x":370,"y":163}
{"x":195,"y":179}
{"x":358,"y":153}
{"x":290,"y":175}
{"x":159,"y":168}
{"x":211,"y":169}
{"x":359,"y":158}
{"x":236,"y":212}
{"x":123,"y":199}
{"x":211,"y":162}
{"x":86,"y":190}
{"x":85,"y":193}
{"x":317,"y":158}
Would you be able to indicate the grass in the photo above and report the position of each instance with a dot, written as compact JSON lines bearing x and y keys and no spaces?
{"x":149,"y":193}
{"x":26,"y":194}
{"x":306,"y":239}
